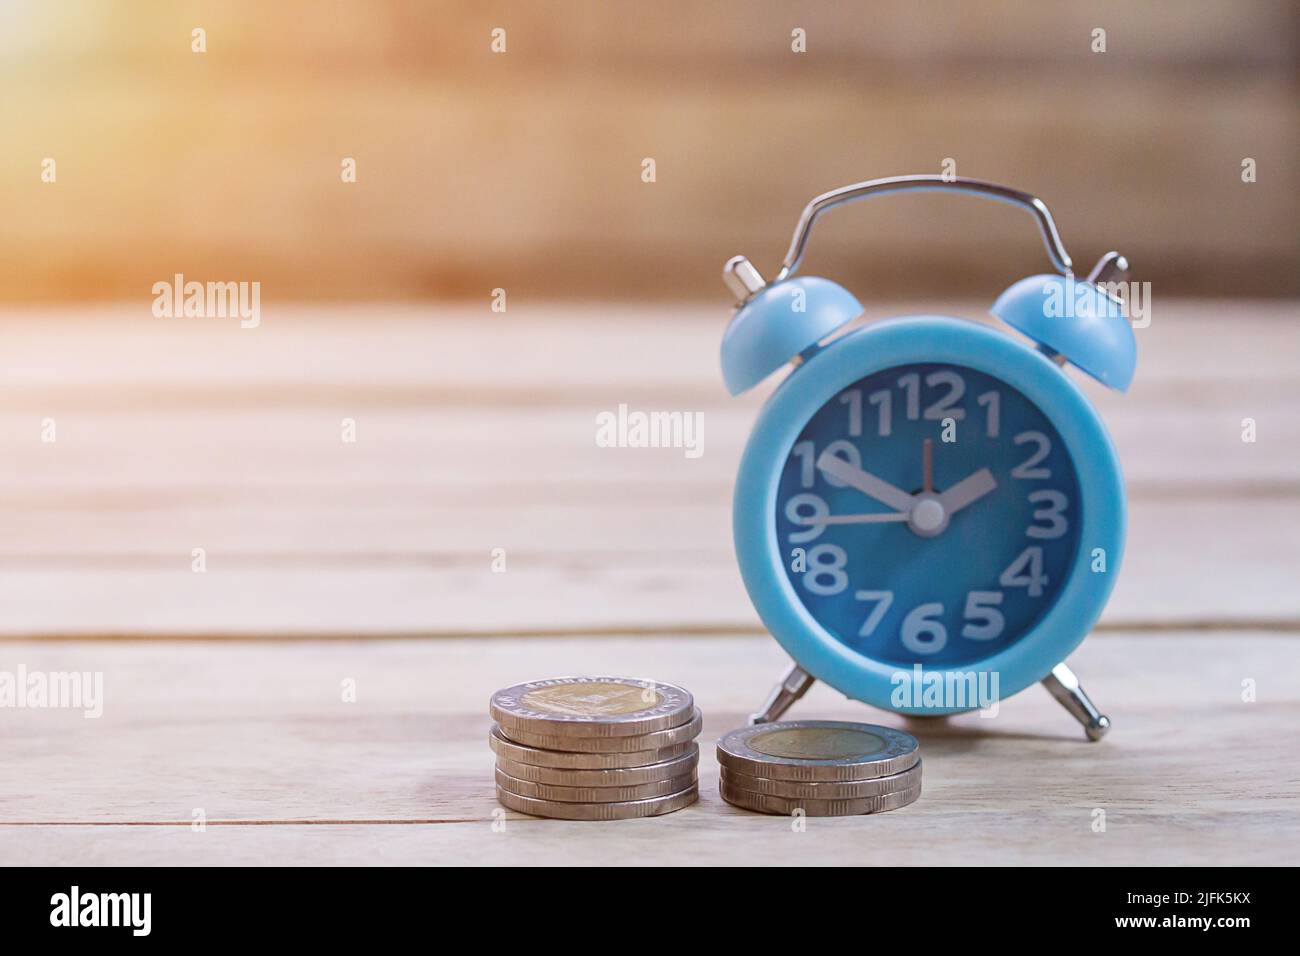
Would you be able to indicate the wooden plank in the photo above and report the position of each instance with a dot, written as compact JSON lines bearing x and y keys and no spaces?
{"x":529,"y":453}
{"x":1192,"y":562}
{"x":175,"y":436}
{"x":194,"y":408}
{"x":258,"y":734}
{"x":119,"y":356}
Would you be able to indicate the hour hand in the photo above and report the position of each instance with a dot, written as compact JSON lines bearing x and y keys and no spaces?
{"x":967,"y":491}
{"x":868,"y":484}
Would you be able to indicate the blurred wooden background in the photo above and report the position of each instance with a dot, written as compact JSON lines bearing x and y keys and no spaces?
{"x":522,"y":170}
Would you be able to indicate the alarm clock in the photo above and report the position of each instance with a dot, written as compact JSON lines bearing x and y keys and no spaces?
{"x":929,"y":512}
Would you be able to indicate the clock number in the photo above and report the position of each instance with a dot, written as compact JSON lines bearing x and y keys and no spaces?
{"x":807,"y":511}
{"x":806,"y":452}
{"x":853,"y":399}
{"x":938,"y":410}
{"x":1029,"y":467}
{"x":1026,"y":572}
{"x":886,"y":403}
{"x":807,"y":463}
{"x":992,"y":401}
{"x":922,"y":633}
{"x":846,"y":451}
{"x":826,"y":561}
{"x":1053,"y":514}
{"x":981,"y":606}
{"x":883,"y":600}
{"x":943,"y":408}
{"x":911,"y":384}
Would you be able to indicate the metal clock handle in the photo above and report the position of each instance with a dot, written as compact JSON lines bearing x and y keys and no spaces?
{"x":894,"y":184}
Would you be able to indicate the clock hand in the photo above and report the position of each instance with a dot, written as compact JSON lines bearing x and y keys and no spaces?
{"x":853,"y":519}
{"x":868,"y":484}
{"x":967,"y":491}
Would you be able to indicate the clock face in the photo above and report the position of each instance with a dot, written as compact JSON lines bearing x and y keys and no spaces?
{"x":928,"y":513}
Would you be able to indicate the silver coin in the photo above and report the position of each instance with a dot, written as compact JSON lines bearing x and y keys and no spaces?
{"x":811,"y":750}
{"x":546,"y":791}
{"x":824,"y":789}
{"x":765,"y":803}
{"x":598,"y":811}
{"x":591,"y":707}
{"x":625,"y":777}
{"x":681,"y":734}
{"x":573,"y":760}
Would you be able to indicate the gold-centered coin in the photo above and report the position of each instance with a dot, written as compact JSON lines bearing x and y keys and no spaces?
{"x":590,"y":707}
{"x":598,"y":811}
{"x":815,"y":750}
{"x":507,"y":749}
{"x":824,"y":789}
{"x":765,"y":803}
{"x":618,"y":777}
{"x":683,"y":733}
{"x":546,"y":791}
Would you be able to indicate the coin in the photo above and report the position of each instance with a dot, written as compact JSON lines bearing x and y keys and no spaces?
{"x":590,"y":707}
{"x":506,"y":748}
{"x":817,"y":750}
{"x":546,"y":791}
{"x":624,"y":777}
{"x":598,"y":811}
{"x":824,"y":789}
{"x":765,"y":803}
{"x":680,"y":734}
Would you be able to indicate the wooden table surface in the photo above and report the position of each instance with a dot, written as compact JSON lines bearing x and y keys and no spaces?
{"x":368,"y":564}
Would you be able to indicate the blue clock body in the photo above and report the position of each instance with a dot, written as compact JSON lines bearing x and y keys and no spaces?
{"x":1008,"y":570}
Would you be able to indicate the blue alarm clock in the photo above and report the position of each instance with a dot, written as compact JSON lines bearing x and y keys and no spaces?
{"x":929,"y":512}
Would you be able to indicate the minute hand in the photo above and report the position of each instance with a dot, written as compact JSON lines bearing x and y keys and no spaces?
{"x":968,"y":490}
{"x":868,"y":484}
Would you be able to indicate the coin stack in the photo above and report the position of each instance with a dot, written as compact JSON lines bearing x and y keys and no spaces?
{"x":823,"y":768}
{"x":595,"y":748}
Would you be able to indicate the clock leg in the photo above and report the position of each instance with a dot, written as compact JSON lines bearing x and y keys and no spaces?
{"x":794,"y":684}
{"x":1065,"y":687}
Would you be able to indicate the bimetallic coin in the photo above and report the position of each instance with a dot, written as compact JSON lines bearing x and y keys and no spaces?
{"x":824,"y":789}
{"x":598,"y":811}
{"x":681,"y":734}
{"x":570,"y":760}
{"x":815,"y":750}
{"x":546,"y":791}
{"x":765,"y":803}
{"x":591,"y":707}
{"x":627,"y":777}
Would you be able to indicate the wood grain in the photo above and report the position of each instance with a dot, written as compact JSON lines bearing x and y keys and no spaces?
{"x":476,"y":432}
{"x":257,"y":737}
{"x":223,"y":690}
